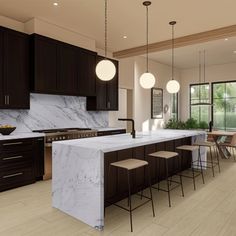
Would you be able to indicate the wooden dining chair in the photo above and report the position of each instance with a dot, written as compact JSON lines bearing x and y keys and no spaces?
{"x":231,"y":145}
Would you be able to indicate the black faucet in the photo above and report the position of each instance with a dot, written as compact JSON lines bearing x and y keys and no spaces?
{"x":133,"y":131}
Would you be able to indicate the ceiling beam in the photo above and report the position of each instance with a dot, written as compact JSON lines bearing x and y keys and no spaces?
{"x":202,"y":37}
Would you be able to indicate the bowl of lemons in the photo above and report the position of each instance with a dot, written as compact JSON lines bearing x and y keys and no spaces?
{"x":6,"y":129}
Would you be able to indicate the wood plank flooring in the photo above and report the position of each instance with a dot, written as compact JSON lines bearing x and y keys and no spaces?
{"x":208,"y":211}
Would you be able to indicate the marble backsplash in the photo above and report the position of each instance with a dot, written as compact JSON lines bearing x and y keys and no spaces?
{"x":54,"y":111}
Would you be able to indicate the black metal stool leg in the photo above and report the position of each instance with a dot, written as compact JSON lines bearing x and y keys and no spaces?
{"x":200,"y":161}
{"x":159,"y":166}
{"x":193,"y":174}
{"x":217,"y":157}
{"x":167,"y":182}
{"x":150,"y":189}
{"x":212,"y":163}
{"x":130,"y":206}
{"x":180,"y":175}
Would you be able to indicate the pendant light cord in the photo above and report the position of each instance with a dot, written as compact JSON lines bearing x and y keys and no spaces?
{"x":105,"y":29}
{"x":147,"y":32}
{"x":173,"y":42}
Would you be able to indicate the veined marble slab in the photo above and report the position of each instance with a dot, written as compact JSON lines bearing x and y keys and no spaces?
{"x":54,"y":111}
{"x":78,"y":170}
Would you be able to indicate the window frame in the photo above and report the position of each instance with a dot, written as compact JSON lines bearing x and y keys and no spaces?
{"x":212,"y":97}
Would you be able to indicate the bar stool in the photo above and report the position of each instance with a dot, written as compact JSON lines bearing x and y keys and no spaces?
{"x":166,"y":155}
{"x":191,"y":148}
{"x":212,"y":163}
{"x":129,"y":165}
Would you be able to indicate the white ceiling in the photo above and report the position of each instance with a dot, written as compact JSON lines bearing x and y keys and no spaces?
{"x":126,"y":17}
{"x":217,"y":52}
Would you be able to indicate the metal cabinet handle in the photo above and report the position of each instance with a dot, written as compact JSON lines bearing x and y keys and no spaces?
{"x":9,"y":144}
{"x":108,"y":104}
{"x":11,"y":158}
{"x":5,"y":100}
{"x":13,"y":175}
{"x":8,"y":100}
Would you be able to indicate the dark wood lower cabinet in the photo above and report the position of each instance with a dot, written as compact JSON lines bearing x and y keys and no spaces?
{"x":115,"y":181}
{"x":21,"y":162}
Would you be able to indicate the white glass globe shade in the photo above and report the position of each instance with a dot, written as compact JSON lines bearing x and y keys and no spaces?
{"x":173,"y":86}
{"x":105,"y":70}
{"x":147,"y":80}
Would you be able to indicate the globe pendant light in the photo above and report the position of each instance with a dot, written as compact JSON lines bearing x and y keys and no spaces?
{"x":105,"y":69}
{"x":147,"y":79}
{"x":173,"y":85}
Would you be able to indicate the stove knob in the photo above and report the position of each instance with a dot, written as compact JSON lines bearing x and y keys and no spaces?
{"x":63,"y":137}
{"x":56,"y":138}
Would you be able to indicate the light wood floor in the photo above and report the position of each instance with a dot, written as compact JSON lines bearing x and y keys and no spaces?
{"x":208,"y":211}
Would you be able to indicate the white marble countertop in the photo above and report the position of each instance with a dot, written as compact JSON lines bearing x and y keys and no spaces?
{"x":123,"y":141}
{"x":20,"y":135}
{"x":108,"y":128}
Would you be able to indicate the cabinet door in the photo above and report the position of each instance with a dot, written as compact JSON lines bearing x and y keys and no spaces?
{"x":113,"y":90}
{"x":87,"y":76}
{"x":16,"y":69}
{"x":67,"y":77}
{"x":45,"y":65}
{"x":2,"y":96}
{"x":39,"y":158}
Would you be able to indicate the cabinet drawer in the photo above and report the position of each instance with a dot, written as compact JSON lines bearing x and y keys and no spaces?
{"x":9,"y":159}
{"x":16,"y":145}
{"x":15,"y":178}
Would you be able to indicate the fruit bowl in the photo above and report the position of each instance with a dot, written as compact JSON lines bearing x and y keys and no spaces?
{"x":6,"y":130}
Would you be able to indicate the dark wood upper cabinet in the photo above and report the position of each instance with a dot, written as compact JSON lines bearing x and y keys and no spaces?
{"x":14,"y":69}
{"x":106,"y":98}
{"x":61,"y":68}
{"x":44,"y":64}
{"x":86,"y":73}
{"x":67,"y":67}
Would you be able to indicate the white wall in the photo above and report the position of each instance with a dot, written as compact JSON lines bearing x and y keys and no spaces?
{"x":142,"y":97}
{"x":214,"y":73}
{"x":121,"y":113}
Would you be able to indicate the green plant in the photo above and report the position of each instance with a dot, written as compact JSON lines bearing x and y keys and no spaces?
{"x":203,"y":125}
{"x":175,"y":124}
{"x":191,"y":124}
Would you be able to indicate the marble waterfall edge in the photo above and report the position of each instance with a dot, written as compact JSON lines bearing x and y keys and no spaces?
{"x":77,"y":183}
{"x":54,"y":111}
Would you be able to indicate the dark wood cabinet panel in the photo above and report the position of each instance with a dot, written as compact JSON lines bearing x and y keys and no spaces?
{"x":39,"y":158}
{"x":107,"y":93}
{"x":61,"y":68}
{"x":44,"y":64}
{"x":14,"y":69}
{"x":86,"y":73}
{"x":21,"y":162}
{"x":2,"y":95}
{"x":116,"y":181}
{"x":113,"y":90}
{"x":67,"y":67}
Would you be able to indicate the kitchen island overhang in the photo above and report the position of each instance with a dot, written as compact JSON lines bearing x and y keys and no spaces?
{"x":79,"y":167}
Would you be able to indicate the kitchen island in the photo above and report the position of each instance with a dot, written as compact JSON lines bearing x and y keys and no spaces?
{"x":80,"y":184}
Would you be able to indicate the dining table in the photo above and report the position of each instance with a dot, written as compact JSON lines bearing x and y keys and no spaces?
{"x":220,"y":137}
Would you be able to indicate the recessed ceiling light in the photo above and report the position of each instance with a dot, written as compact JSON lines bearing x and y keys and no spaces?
{"x":234,"y":52}
{"x":226,"y":39}
{"x":125,"y":37}
{"x":55,"y":3}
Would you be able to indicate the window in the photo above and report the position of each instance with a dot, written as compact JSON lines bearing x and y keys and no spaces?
{"x":174,"y":106}
{"x":199,"y":93}
{"x":224,"y":109}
